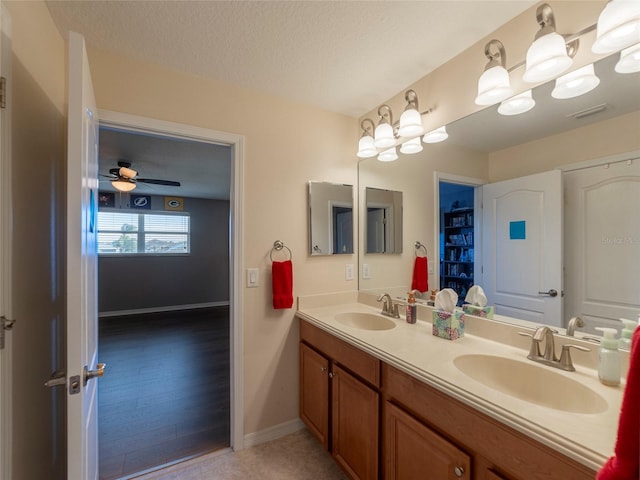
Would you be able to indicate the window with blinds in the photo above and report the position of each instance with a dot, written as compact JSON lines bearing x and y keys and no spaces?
{"x":124,"y":233}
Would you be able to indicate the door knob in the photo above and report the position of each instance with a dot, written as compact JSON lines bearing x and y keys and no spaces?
{"x":98,"y":372}
{"x":59,"y":377}
{"x":551,"y":293}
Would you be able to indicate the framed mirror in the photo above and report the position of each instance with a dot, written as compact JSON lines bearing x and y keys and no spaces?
{"x":330,"y":218}
{"x":383,"y":221}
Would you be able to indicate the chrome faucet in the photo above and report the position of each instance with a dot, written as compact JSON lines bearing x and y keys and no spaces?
{"x":388,"y":308}
{"x":573,"y":323}
{"x":549,"y":358}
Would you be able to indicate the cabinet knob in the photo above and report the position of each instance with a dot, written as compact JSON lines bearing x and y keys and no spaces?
{"x":332,"y":374}
{"x":459,"y":471}
{"x":323,"y":369}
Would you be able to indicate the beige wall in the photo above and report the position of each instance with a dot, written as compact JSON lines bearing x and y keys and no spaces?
{"x":286,"y":145}
{"x":38,"y":198}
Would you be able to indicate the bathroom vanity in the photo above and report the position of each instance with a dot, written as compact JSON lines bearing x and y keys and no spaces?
{"x":391,"y":403}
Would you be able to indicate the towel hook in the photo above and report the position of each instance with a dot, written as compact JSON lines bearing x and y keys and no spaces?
{"x":277,"y":246}
{"x":419,"y":246}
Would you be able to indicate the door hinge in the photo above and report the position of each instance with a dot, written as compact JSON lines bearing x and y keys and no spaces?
{"x":5,"y":324}
{"x":3,"y":92}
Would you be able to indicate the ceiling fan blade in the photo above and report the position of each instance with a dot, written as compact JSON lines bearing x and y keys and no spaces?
{"x":168,"y":183}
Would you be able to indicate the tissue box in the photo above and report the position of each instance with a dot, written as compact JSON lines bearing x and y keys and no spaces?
{"x":484,"y":312}
{"x":448,"y":325}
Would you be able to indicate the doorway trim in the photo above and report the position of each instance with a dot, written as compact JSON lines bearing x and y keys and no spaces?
{"x":134,"y":123}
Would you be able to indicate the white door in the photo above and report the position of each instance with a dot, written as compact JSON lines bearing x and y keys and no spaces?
{"x":82,"y":312}
{"x":522,"y":247}
{"x":602,"y":238}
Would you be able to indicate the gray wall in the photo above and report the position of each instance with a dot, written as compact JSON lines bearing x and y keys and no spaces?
{"x":147,"y":282}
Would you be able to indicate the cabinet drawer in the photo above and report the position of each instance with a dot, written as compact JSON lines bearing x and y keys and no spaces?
{"x":519,"y":456}
{"x":357,"y":361}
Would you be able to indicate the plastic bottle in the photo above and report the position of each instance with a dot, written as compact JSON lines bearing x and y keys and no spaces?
{"x":609,"y":365}
{"x":411,"y":309}
{"x":627,"y":333}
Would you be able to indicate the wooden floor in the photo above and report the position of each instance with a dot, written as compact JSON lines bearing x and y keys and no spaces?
{"x":165,"y":392}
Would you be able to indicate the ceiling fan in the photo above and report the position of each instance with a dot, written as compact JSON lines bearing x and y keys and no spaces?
{"x":124,"y":178}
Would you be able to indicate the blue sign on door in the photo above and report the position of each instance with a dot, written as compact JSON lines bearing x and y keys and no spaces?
{"x":517,"y":230}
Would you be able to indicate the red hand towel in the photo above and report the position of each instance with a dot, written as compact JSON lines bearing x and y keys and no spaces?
{"x":420,"y":280}
{"x":282,"y":284}
{"x":625,"y":464}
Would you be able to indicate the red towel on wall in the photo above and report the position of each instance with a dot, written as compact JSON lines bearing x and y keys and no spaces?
{"x":420,"y":280}
{"x":282,"y":284}
{"x":625,"y":464}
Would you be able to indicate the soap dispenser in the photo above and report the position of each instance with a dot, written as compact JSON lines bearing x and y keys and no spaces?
{"x":609,"y":365}
{"x":627,"y":333}
{"x":411,"y":308}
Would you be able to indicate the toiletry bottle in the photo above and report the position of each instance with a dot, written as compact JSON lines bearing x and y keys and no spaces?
{"x":411,"y":308}
{"x":609,"y":365}
{"x":627,"y":333}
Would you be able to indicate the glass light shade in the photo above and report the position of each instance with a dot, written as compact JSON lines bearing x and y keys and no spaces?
{"x":384,"y":136}
{"x":367,"y":147}
{"x":618,"y":26}
{"x":127,"y":172}
{"x":388,"y":155}
{"x":435,"y":136}
{"x":410,"y":123}
{"x":576,"y":83}
{"x":123,"y":185}
{"x":518,"y":104}
{"x":629,"y":60}
{"x":546,"y":58}
{"x":411,"y":146}
{"x":493,"y":86}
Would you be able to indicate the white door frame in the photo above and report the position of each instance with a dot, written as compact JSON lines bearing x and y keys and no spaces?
{"x":236,"y":142}
{"x":6,"y":424}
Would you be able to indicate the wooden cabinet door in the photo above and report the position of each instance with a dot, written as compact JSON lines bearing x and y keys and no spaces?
{"x":314,"y":393}
{"x":412,"y":451}
{"x":354,"y":432}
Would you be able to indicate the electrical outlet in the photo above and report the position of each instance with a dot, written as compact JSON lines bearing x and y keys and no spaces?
{"x":366,"y":271}
{"x":253,"y":277}
{"x":348,"y":271}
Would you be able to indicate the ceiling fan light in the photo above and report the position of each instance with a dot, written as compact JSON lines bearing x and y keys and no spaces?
{"x":367,"y":147}
{"x":410,"y":123}
{"x":546,"y":58}
{"x":384,"y":136}
{"x":629,"y":60}
{"x":123,"y":185}
{"x":576,"y":83}
{"x":618,"y":26}
{"x":127,"y":172}
{"x":518,"y":104}
{"x":388,"y":155}
{"x":436,"y":136}
{"x":411,"y":146}
{"x":493,"y":86}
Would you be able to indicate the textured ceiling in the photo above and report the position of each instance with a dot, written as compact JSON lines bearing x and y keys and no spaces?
{"x":344,"y":56}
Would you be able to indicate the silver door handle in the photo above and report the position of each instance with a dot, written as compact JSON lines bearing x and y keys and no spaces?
{"x":551,"y":293}
{"x":98,"y":372}
{"x":59,"y":377}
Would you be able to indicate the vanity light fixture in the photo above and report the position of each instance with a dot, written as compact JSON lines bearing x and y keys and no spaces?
{"x":411,"y":146}
{"x":388,"y":155}
{"x":494,"y":85}
{"x":366,"y":145}
{"x":517,"y":104}
{"x":618,"y":26}
{"x":384,"y":131}
{"x":548,"y":55}
{"x":411,"y":119}
{"x":436,"y":136}
{"x":576,"y":83}
{"x":629,"y":60}
{"x":123,"y":185}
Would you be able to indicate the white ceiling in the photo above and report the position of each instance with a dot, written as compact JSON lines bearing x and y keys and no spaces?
{"x":344,"y":56}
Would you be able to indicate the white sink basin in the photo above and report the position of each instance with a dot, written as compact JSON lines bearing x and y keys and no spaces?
{"x":365,"y":321}
{"x":530,"y":382}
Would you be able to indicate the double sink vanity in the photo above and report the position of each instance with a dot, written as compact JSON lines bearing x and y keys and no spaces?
{"x":392,"y":401}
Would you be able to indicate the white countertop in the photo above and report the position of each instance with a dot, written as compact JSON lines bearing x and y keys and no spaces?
{"x":587,"y":438}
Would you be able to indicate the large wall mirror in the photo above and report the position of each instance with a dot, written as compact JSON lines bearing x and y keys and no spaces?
{"x":330,"y":218}
{"x":595,"y":133}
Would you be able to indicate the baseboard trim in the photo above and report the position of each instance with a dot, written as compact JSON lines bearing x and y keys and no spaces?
{"x":170,"y":308}
{"x":271,"y":433}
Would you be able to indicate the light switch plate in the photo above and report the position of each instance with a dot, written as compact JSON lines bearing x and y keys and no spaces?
{"x":253,"y":277}
{"x":430,"y":267}
{"x":348,"y":271}
{"x":366,"y":272}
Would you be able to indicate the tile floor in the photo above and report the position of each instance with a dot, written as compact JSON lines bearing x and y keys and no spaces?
{"x":297,"y":456}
